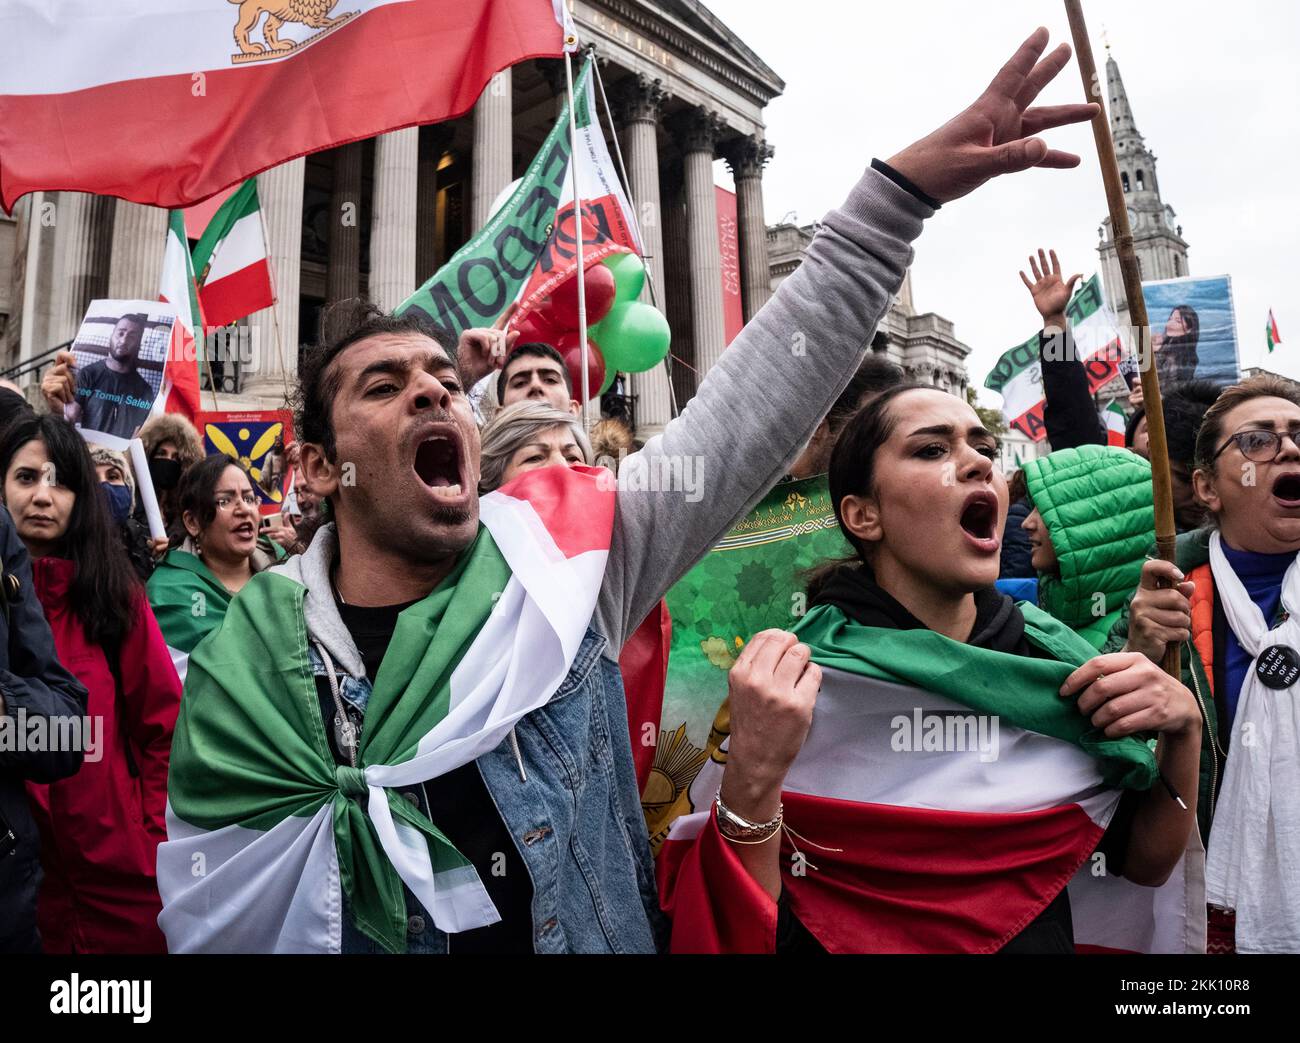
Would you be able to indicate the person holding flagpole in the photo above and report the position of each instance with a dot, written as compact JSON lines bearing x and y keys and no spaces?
{"x":440,"y":760}
{"x":1232,"y":598}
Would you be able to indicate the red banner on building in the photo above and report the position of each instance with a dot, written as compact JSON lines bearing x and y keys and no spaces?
{"x":733,"y":313}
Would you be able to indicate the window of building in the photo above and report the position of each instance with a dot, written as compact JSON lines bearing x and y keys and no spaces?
{"x":1178,"y":266}
{"x":1123,"y":177}
{"x":1140,"y":183}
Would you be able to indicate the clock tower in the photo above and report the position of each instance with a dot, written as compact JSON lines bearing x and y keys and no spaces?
{"x":1157,"y":235}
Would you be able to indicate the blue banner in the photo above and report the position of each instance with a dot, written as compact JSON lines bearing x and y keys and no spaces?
{"x":1193,"y":329}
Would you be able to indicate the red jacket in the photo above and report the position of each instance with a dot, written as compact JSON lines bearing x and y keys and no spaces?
{"x":100,"y":829}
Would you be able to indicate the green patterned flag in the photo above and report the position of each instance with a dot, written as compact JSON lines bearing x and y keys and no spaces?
{"x":751,"y":581}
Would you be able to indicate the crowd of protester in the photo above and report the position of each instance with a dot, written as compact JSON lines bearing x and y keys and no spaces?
{"x":105,"y":623}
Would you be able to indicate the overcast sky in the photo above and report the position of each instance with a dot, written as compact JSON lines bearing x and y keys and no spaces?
{"x":1214,"y":88}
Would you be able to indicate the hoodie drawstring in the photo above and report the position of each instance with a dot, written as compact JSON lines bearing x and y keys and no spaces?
{"x":345,"y":732}
{"x":519,"y":760}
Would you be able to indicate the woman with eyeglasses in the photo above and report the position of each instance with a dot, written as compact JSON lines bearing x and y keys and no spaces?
{"x":215,"y":552}
{"x":100,"y":828}
{"x":1231,"y":602}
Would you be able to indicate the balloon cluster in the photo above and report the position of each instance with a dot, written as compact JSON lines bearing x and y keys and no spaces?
{"x":623,"y":334}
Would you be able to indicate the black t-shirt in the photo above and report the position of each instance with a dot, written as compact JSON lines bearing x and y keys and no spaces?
{"x":112,"y":402}
{"x":458,"y":803}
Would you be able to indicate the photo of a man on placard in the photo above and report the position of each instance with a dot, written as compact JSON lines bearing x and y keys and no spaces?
{"x":118,"y":376}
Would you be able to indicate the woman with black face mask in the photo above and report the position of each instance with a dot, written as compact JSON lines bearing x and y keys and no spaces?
{"x":172,"y":446}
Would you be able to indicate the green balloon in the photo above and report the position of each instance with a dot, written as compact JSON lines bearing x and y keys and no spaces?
{"x":629,"y":276}
{"x":633,"y":337}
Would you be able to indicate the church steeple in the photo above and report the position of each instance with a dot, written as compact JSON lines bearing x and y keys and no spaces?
{"x":1122,"y":127}
{"x":1136,"y":163}
{"x":1157,"y":236}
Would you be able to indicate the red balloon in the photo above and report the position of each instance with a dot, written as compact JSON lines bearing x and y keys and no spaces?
{"x":534,"y":329}
{"x":570,"y":349}
{"x":561,"y":310}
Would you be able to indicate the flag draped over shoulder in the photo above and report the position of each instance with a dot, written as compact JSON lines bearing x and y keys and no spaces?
{"x":254,"y":792}
{"x":944,"y":797}
{"x":188,"y":601}
{"x":169,"y":103}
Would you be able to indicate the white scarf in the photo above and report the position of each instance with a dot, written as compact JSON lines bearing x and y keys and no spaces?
{"x":1254,"y":858}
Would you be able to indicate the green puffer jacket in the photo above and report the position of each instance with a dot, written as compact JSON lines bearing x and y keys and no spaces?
{"x":1096,"y":503}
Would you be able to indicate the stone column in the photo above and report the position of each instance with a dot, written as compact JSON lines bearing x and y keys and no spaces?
{"x":139,"y":242}
{"x":552,"y":70}
{"x":746,"y":157}
{"x":677,"y":288}
{"x":698,"y":133}
{"x":637,"y":104}
{"x":493,"y":155}
{"x":275,"y":329}
{"x":392,"y":221}
{"x":343,"y":275}
{"x":434,"y":142}
{"x":83,"y":239}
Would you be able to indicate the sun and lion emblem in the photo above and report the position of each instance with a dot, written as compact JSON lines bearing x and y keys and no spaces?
{"x":315,"y":14}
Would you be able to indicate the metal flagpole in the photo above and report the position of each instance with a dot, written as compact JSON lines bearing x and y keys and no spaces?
{"x":627,"y":187}
{"x":577,"y":223}
{"x":1161,"y":484}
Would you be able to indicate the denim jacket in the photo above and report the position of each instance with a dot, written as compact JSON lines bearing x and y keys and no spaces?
{"x":574,"y":815}
{"x":566,"y":791}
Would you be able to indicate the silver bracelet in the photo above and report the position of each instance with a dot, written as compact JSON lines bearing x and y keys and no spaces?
{"x":741,"y":830}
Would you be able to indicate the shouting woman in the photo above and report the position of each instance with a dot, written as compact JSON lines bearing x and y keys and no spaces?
{"x":215,"y":551}
{"x":923,"y":765}
{"x":1233,"y":597}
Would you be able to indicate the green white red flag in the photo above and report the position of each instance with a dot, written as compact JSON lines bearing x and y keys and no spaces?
{"x":944,"y":796}
{"x":1018,"y":375}
{"x":1116,"y":423}
{"x":287,"y":839}
{"x":181,"y":378}
{"x":1274,"y":337}
{"x":234,"y":275}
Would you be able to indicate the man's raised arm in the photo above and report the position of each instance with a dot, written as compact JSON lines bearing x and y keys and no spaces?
{"x":759,"y":404}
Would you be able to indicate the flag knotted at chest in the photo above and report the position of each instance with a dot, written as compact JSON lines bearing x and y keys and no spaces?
{"x":913,"y":835}
{"x":267,"y":835}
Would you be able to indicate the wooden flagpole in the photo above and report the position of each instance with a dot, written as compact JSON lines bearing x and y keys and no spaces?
{"x":1161,"y":485}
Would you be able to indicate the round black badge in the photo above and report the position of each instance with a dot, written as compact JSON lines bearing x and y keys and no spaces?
{"x":1278,"y":666}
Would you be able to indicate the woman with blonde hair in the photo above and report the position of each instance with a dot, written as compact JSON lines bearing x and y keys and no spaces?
{"x":526,"y":436}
